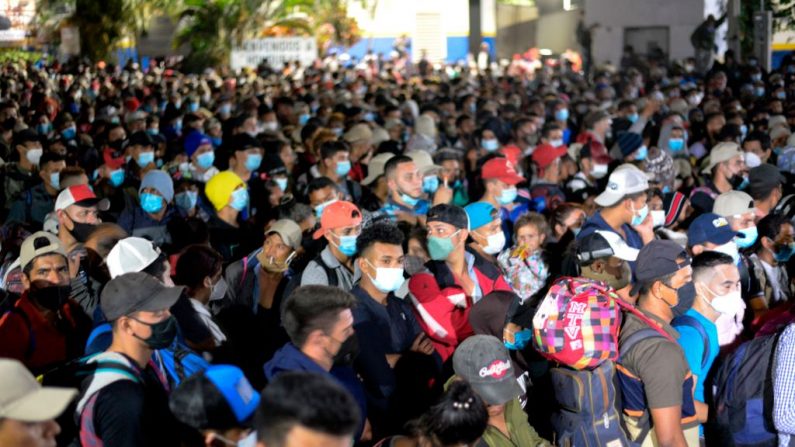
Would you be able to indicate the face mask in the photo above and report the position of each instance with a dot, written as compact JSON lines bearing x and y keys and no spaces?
{"x":490,"y":145}
{"x":599,"y":171}
{"x":439,"y":248}
{"x":144,"y":158}
{"x":205,"y":160}
{"x":347,"y":245}
{"x":319,"y":208}
{"x":239,"y":199}
{"x":219,"y":290}
{"x":685,"y":296}
{"x":151,"y":203}
{"x":225,"y":109}
{"x":782,"y":95}
{"x":724,"y":304}
{"x":729,"y":248}
{"x":494,"y":243}
{"x":633,"y":118}
{"x":556,"y":143}
{"x":749,"y":236}
{"x":270,"y":125}
{"x":507,"y":196}
{"x":186,"y":200}
{"x":386,"y":279}
{"x":253,"y":161}
{"x":55,"y":180}
{"x":281,"y":183}
{"x":641,"y":153}
{"x":676,"y":144}
{"x":69,"y":133}
{"x":249,"y":441}
{"x":163,"y":333}
{"x":783,"y":254}
{"x":520,"y":340}
{"x":348,"y":352}
{"x":413,"y":264}
{"x":337,"y":131}
{"x":736,"y":181}
{"x":51,"y":296}
{"x":760,"y":91}
{"x":272,"y":266}
{"x":561,"y":115}
{"x":638,"y":219}
{"x":430,"y":184}
{"x":117,"y":177}
{"x":743,"y":131}
{"x":81,"y":231}
{"x":343,"y":168}
{"x":408,"y":200}
{"x":44,"y":129}
{"x":658,"y":218}
{"x":303,"y":118}
{"x":192,"y":107}
{"x":34,"y":155}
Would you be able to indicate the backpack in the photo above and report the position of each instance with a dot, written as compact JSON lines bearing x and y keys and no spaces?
{"x":577,"y":325}
{"x":687,"y":320}
{"x":744,"y":393}
{"x":295,"y":281}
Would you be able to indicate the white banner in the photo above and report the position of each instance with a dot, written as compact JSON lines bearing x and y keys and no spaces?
{"x":277,"y":51}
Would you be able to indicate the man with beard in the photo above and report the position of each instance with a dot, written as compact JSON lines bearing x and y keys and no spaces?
{"x":726,"y":166}
{"x":44,"y":327}
{"x":604,"y":256}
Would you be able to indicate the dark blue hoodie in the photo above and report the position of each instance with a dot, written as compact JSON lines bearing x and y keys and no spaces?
{"x":290,"y":358}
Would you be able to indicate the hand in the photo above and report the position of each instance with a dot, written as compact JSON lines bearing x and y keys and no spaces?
{"x":407,"y":217}
{"x":652,"y":107}
{"x":422,"y":345}
{"x":74,"y":262}
{"x":509,"y":331}
{"x":646,"y":229}
{"x":443,"y":195}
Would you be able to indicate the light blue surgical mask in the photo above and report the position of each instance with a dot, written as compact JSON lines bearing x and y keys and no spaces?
{"x":144,"y":158}
{"x":151,"y":203}
{"x":193,"y":107}
{"x":117,"y":177}
{"x":205,"y":160}
{"x":216,"y":141}
{"x":784,"y":253}
{"x":641,"y":153}
{"x":638,"y":219}
{"x":676,"y":144}
{"x":239,"y":199}
{"x":281,"y":182}
{"x":508,"y":195}
{"x":303,"y":118}
{"x":633,"y":118}
{"x":408,"y":200}
{"x":490,"y":144}
{"x":749,"y":236}
{"x":556,"y":143}
{"x":430,"y":184}
{"x":561,"y":114}
{"x":319,"y":209}
{"x":253,"y":161}
{"x":343,"y":168}
{"x":69,"y":133}
{"x":186,"y":200}
{"x":347,"y":245}
{"x":55,"y":180}
{"x":439,"y":248}
{"x":153,"y":131}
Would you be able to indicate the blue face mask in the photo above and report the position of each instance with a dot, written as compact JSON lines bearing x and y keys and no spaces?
{"x":633,"y":118}
{"x":439,"y":248}
{"x":239,"y":199}
{"x":282,"y":183}
{"x":144,"y":158}
{"x":641,"y":153}
{"x":216,"y":141}
{"x":153,"y":131}
{"x":343,"y":168}
{"x":253,"y":161}
{"x":369,"y":116}
{"x":676,"y":144}
{"x":430,"y":184}
{"x":205,"y":160}
{"x":637,"y":220}
{"x":520,"y":340}
{"x":760,"y":92}
{"x":490,"y":145}
{"x":347,"y":245}
{"x":151,"y":203}
{"x":44,"y":129}
{"x":69,"y":133}
{"x":507,"y":196}
{"x":303,"y":118}
{"x":408,"y":200}
{"x":192,"y":107}
{"x":319,"y":209}
{"x":743,"y":131}
{"x":178,"y":127}
{"x":117,"y":177}
{"x":784,"y":253}
{"x":748,"y":238}
{"x":561,"y":115}
{"x":186,"y":200}
{"x":55,"y":180}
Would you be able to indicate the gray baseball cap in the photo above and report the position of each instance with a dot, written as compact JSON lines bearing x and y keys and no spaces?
{"x":136,"y":292}
{"x":484,"y":363}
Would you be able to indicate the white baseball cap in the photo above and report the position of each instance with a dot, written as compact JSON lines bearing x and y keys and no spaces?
{"x":603,"y":244}
{"x":132,"y":254}
{"x":621,"y":183}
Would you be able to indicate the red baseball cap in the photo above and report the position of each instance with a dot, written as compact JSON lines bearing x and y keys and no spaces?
{"x":546,"y":154}
{"x":501,"y":169}
{"x":512,"y":153}
{"x":80,"y":195}
{"x":338,"y":215}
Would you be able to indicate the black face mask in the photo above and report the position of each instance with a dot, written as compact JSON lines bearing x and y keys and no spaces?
{"x":736,"y":180}
{"x":49,"y":296}
{"x":686,"y":295}
{"x":163,"y":333}
{"x":348,"y":352}
{"x":81,"y":231}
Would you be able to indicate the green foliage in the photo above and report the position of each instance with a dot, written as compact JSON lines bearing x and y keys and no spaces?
{"x":16,"y":56}
{"x":783,"y":19}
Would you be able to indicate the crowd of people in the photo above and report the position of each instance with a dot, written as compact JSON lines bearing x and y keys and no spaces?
{"x":331,"y":254}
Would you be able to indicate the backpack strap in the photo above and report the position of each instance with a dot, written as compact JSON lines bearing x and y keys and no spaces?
{"x":690,"y":321}
{"x":331,"y":274}
{"x":636,"y":338}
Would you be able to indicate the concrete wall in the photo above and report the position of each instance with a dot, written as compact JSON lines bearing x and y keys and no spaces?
{"x":558,"y":31}
{"x":681,"y":16}
{"x":517,"y":27}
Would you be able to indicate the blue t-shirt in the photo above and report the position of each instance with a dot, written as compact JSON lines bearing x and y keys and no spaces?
{"x":693,"y":346}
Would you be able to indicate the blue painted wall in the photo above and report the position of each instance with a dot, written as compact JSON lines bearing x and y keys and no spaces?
{"x":457,"y":47}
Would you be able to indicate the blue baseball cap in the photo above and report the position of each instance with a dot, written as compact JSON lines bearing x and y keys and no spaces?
{"x":480,"y":214}
{"x":220,"y":398}
{"x":194,"y":141}
{"x":712,"y":228}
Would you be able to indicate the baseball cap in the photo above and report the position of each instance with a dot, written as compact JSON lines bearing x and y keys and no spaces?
{"x":449,"y":214}
{"x":22,"y":398}
{"x":140,"y":138}
{"x":604,"y":244}
{"x":136,"y":292}
{"x":359,"y":132}
{"x":220,"y":397}
{"x":656,"y":259}
{"x":621,"y":184}
{"x":733,"y":203}
{"x":629,"y":142}
{"x":243,"y":142}
{"x":710,"y":227}
{"x":673,"y":204}
{"x":80,"y":195}
{"x":423,"y":161}
{"x":375,"y":168}
{"x":38,"y":244}
{"x":721,"y":152}
{"x":545,"y":154}
{"x":763,"y":178}
{"x":339,"y":214}
{"x":288,"y":230}
{"x":501,"y":169}
{"x":484,"y":363}
{"x":780,"y":132}
{"x":194,"y":141}
{"x":159,"y":181}
{"x":480,"y":214}
{"x":220,"y":187}
{"x":132,"y":254}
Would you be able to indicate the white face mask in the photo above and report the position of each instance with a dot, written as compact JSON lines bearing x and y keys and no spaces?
{"x":598,"y":171}
{"x":219,"y":290}
{"x":34,"y":155}
{"x":386,"y":279}
{"x":724,"y":304}
{"x":658,"y":218}
{"x":494,"y":243}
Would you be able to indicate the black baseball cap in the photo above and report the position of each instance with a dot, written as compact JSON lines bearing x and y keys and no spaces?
{"x":136,"y":292}
{"x":140,"y":138}
{"x":244,"y":142}
{"x":656,"y":259}
{"x":763,"y":178}
{"x":449,"y":214}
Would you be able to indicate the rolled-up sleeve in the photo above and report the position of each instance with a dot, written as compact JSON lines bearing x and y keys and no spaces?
{"x":784,"y":385}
